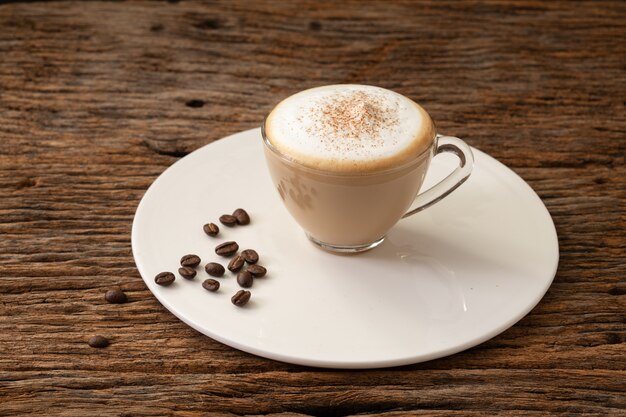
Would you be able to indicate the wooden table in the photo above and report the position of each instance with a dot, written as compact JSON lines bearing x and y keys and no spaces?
{"x":98,"y":98}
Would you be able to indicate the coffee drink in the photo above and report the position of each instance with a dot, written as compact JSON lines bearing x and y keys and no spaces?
{"x":361,"y":148}
{"x":349,"y":128}
{"x":349,"y":160}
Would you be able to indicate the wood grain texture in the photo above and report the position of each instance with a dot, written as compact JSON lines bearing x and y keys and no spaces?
{"x":98,"y":98}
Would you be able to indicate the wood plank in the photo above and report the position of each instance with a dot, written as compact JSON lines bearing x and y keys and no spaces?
{"x":95,"y":102}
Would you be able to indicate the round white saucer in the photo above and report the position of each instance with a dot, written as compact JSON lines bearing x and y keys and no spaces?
{"x":443,"y":281}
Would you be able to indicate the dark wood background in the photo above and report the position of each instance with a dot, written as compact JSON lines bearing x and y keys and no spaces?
{"x":96,"y":100}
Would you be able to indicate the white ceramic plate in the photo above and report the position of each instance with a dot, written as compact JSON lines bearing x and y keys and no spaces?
{"x":445,"y":280}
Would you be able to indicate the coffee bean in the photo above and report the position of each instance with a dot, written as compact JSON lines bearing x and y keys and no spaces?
{"x":98,"y":342}
{"x":214,"y":269}
{"x":242,"y":216}
{"x":115,"y":296}
{"x":187,"y":272}
{"x":241,"y":298}
{"x":244,"y":279}
{"x":227,"y":248}
{"x":257,"y":271}
{"x":164,"y":278}
{"x":250,"y":256}
{"x":228,"y":220}
{"x":211,"y":285}
{"x":211,"y":229}
{"x":236,"y":263}
{"x":190,"y":260}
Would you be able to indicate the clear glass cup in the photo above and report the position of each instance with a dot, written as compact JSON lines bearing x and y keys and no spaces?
{"x":352,"y":212}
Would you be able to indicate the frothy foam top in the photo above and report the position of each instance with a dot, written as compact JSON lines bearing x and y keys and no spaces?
{"x":349,"y":128}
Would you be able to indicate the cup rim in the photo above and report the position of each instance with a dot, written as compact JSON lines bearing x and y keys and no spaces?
{"x":291,"y":161}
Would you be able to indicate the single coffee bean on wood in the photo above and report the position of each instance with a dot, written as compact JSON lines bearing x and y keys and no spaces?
{"x":211,"y":285}
{"x":228,"y":220}
{"x":250,"y":256}
{"x":190,"y":260}
{"x":236,"y":263}
{"x":241,"y":298}
{"x":214,"y":269}
{"x":257,"y":271}
{"x":242,"y":216}
{"x":187,"y":272}
{"x":227,"y":248}
{"x":98,"y":342}
{"x":115,"y":296}
{"x":244,"y":279}
{"x":164,"y":278}
{"x":211,"y":229}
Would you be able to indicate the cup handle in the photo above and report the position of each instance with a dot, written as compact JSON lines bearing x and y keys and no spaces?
{"x":450,"y":183}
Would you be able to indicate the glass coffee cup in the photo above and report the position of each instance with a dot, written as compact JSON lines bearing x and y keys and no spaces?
{"x":351,"y":212}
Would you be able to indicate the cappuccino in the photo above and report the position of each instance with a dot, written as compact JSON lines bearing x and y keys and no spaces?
{"x":348,"y":161}
{"x":349,"y":128}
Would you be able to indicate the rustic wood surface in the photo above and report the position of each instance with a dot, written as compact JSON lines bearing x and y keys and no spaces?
{"x":98,"y":98}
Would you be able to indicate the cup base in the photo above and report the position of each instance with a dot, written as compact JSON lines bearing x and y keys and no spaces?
{"x":345,"y":249}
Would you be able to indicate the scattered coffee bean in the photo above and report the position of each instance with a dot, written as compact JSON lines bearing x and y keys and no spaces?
{"x":190,"y":260}
{"x":241,"y":298}
{"x":236,"y":263}
{"x":187,"y":272}
{"x":228,"y":220}
{"x":250,"y":256}
{"x":214,"y":269}
{"x":244,"y":279}
{"x":242,"y":216}
{"x":211,"y":285}
{"x":211,"y":229}
{"x":257,"y":271}
{"x":227,"y":248}
{"x":98,"y":342}
{"x":164,"y":278}
{"x":115,"y":296}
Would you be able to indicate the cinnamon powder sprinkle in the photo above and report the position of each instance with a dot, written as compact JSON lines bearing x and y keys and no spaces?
{"x":354,"y":116}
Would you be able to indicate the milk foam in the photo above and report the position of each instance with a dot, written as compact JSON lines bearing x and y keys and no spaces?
{"x":349,"y":127}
